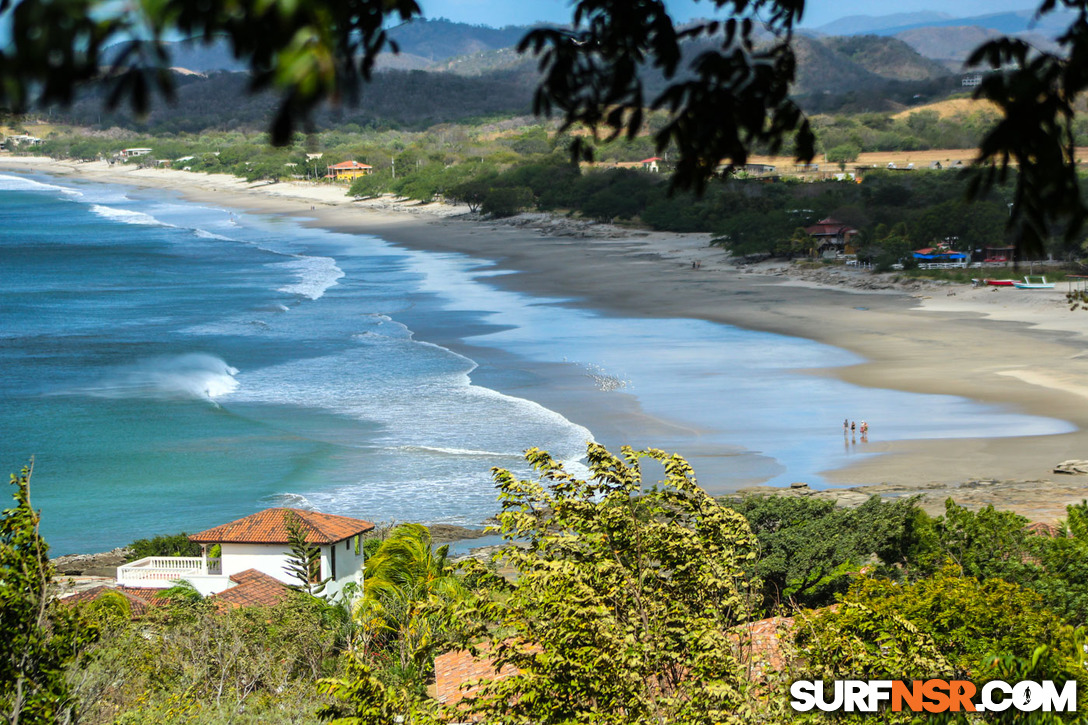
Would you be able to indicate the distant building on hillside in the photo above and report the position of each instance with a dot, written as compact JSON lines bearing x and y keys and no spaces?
{"x":650,"y":164}
{"x":21,"y":139}
{"x":134,"y":152}
{"x":348,"y":170}
{"x":832,"y":235}
{"x":971,"y":80}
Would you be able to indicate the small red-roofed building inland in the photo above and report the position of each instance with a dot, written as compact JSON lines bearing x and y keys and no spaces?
{"x":255,"y":551}
{"x":348,"y":171}
{"x":832,"y":235}
{"x":650,"y":164}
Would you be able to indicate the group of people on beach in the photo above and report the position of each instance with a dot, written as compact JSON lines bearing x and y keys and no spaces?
{"x":850,"y":427}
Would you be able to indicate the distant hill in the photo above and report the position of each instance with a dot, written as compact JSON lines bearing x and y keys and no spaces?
{"x":413,"y":99}
{"x":952,"y":45}
{"x":191,"y":55}
{"x":422,"y":43}
{"x":869,"y":24}
{"x":477,"y":64}
{"x":953,"y":107}
{"x":438,"y":40}
{"x":423,"y":85}
{"x":1005,"y":23}
{"x":886,"y":57}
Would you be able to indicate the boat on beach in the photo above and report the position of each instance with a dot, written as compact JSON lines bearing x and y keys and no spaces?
{"x":1034,"y":282}
{"x":999,"y":282}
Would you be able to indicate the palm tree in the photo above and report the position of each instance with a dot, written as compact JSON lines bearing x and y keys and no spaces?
{"x":405,"y":584}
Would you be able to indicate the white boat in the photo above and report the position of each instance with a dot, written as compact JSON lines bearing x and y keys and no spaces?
{"x":1034,"y":282}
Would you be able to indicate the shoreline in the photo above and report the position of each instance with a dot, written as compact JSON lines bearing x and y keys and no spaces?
{"x":1018,"y":350}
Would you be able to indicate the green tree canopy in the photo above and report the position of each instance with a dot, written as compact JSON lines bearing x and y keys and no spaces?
{"x":40,"y":638}
{"x":624,"y":598}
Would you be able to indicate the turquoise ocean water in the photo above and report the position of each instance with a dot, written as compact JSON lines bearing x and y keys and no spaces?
{"x":173,"y":365}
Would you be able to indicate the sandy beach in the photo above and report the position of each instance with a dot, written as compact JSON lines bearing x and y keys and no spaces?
{"x":1021,"y":350}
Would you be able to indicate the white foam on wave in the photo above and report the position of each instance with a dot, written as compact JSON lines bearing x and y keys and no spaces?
{"x":127,"y":216}
{"x":456,"y":451}
{"x":315,"y":275}
{"x":291,"y":500}
{"x":19,"y":183}
{"x":205,"y":234}
{"x":196,"y":376}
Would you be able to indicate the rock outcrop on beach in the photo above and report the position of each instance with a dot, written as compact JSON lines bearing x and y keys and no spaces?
{"x":1072,"y":467}
{"x":103,"y":564}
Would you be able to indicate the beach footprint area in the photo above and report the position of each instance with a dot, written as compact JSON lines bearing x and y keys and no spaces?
{"x":173,"y":364}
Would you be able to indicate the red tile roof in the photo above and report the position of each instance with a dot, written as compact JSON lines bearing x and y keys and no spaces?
{"x":761,"y":646}
{"x":255,"y":588}
{"x":350,"y":165}
{"x":454,"y":668}
{"x":829,"y":227}
{"x":1039,"y":528}
{"x":139,"y":600}
{"x":269,"y":527}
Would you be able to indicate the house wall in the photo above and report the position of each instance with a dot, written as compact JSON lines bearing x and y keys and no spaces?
{"x":349,"y":565}
{"x":268,"y":558}
{"x":272,"y":560}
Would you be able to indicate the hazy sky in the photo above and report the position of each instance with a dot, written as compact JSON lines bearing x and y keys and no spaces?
{"x":497,"y":13}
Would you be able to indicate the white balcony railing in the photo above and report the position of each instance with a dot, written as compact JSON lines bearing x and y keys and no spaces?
{"x":161,"y":571}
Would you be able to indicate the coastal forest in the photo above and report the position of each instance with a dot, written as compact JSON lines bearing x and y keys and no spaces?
{"x":612,"y":600}
{"x":509,"y":166}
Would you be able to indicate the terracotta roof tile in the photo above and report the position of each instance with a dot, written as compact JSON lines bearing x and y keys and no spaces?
{"x":255,"y":588}
{"x":350,"y":165}
{"x":139,"y":599}
{"x":762,"y":646}
{"x":1040,"y":528}
{"x":269,"y":527}
{"x":452,"y":669}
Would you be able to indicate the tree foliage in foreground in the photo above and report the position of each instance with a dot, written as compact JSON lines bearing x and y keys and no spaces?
{"x":39,"y":638}
{"x":408,"y":585}
{"x":624,"y":597}
{"x":810,"y":549}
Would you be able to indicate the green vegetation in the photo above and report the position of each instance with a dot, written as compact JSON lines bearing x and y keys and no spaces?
{"x":614,"y":599}
{"x":501,"y":170}
{"x":623,"y":598}
{"x":164,"y":545}
{"x":41,"y":639}
{"x":304,"y":563}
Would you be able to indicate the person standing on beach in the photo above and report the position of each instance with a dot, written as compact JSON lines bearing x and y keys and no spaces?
{"x":845,"y":425}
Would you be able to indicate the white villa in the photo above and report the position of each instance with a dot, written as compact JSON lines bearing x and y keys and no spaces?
{"x":256,"y":547}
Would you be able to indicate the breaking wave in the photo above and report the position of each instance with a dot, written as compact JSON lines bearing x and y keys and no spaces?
{"x":315,"y":275}
{"x":18,"y":183}
{"x":195,"y":376}
{"x":126,"y":216}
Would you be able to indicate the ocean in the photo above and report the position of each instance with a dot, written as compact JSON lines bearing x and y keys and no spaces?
{"x":172,"y":365}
